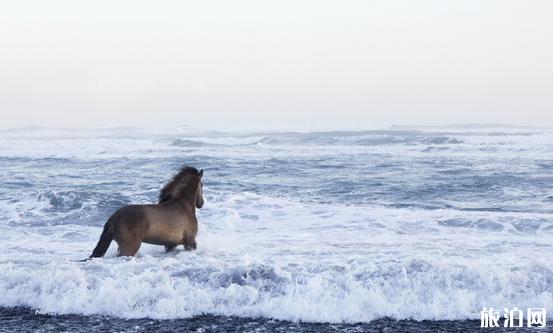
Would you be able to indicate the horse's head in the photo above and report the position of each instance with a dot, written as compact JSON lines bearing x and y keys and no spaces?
{"x":200,"y":190}
{"x":186,"y":186}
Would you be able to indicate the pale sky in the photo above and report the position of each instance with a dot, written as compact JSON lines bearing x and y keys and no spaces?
{"x":309,"y":64}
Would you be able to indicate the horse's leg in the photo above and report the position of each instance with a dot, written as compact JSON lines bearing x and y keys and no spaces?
{"x":169,"y":248}
{"x":189,"y":243}
{"x":130,"y":230}
{"x":129,"y":248}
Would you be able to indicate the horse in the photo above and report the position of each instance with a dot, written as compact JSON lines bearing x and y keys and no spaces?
{"x":170,"y":222}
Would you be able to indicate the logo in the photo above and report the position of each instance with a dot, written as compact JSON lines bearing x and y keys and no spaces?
{"x":535,"y":317}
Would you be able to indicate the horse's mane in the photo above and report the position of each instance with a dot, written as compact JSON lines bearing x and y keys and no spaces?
{"x":182,"y":185}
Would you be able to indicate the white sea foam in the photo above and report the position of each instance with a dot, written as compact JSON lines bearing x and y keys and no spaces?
{"x":262,"y":256}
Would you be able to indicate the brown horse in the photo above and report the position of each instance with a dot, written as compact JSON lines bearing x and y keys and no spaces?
{"x":170,"y":222}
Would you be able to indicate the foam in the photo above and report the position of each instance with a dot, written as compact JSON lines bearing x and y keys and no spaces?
{"x":273,"y":266}
{"x":177,"y":288}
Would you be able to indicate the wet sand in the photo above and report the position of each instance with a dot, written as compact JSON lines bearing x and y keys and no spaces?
{"x":27,"y":320}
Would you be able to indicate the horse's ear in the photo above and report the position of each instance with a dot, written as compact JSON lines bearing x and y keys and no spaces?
{"x":201,"y":173}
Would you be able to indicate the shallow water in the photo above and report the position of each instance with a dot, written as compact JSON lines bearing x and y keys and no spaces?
{"x":333,"y":227}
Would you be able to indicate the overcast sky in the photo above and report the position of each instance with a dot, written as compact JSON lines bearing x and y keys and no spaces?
{"x":275,"y":65}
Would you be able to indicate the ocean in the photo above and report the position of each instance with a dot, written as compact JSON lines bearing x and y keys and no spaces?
{"x":402,"y":229}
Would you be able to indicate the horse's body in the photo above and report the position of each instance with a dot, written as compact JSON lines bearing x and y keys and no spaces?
{"x":171,"y":222}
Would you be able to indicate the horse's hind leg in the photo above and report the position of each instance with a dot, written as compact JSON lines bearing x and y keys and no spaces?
{"x":131,"y":229}
{"x":128,"y":249}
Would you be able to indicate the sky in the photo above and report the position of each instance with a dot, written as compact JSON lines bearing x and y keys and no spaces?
{"x":289,"y":65}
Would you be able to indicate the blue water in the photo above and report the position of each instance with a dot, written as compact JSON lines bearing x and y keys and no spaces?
{"x":421,"y":223}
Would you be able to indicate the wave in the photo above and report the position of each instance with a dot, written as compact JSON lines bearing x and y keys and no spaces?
{"x":374,"y":138}
{"x":217,"y":141}
{"x":262,"y":256}
{"x":169,"y":288}
{"x":108,"y":144}
{"x":427,"y":139}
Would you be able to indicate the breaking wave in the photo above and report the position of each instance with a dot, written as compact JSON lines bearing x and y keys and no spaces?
{"x":182,"y":287}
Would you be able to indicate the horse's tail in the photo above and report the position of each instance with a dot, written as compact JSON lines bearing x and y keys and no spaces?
{"x":105,"y":240}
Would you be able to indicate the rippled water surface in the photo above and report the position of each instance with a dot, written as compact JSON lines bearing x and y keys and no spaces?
{"x":315,"y":227}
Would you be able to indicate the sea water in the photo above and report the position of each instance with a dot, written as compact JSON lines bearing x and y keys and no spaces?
{"x":322,"y":227}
